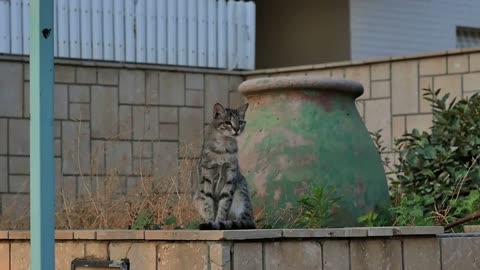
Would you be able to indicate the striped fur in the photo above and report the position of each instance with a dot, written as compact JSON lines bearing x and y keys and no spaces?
{"x":221,"y":195}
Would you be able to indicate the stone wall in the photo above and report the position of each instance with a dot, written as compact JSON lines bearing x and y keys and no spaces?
{"x":392,"y":100}
{"x":110,"y":119}
{"x":326,"y":249}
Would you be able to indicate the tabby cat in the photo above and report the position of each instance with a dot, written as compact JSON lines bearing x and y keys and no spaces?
{"x":221,"y":194}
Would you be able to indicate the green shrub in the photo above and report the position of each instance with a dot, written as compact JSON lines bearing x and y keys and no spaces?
{"x":441,"y":165}
{"x":317,"y":207}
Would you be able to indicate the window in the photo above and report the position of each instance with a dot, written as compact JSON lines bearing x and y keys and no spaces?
{"x":468,"y":37}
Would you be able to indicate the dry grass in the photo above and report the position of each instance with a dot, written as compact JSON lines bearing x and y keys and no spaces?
{"x":103,"y":203}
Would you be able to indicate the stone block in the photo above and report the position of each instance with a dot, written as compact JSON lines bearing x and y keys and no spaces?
{"x":126,"y":122}
{"x":292,"y":255}
{"x":165,"y":159}
{"x":404,"y":87}
{"x":104,"y":109}
{"x":220,"y":256}
{"x":66,"y":252}
{"x":235,"y":99}
{"x":132,"y":86}
{"x":20,"y":256}
{"x":360,"y":104}
{"x":235,"y":81}
{"x":145,"y":123}
{"x":168,"y":114}
{"x":169,"y":132}
{"x":79,"y":93}
{"x":360,"y":74}
{"x":141,"y":255}
{"x":79,"y":111}
{"x":398,"y":127}
{"x":57,"y":133}
{"x":26,"y":72}
{"x":142,"y":149}
{"x":119,"y":157}
{"x":11,"y":83}
{"x":85,"y":188}
{"x":19,"y":137}
{"x":421,"y":254}
{"x":338,"y":73}
{"x":96,"y":250}
{"x":183,"y":255}
{"x":152,"y":88}
{"x":15,"y":206}
{"x":194,"y":81}
{"x":19,"y":165}
{"x":120,"y":235}
{"x":474,"y":62}
{"x":380,"y":89}
{"x":457,"y":63}
{"x":61,"y":101}
{"x":433,"y":66}
{"x":191,"y":130}
{"x":380,"y":71}
{"x":471,"y":82}
{"x":376,"y":254}
{"x":216,"y":90}
{"x":460,"y":253}
{"x":422,"y":122}
{"x":68,"y":188}
{"x":142,"y":166}
{"x":85,"y":235}
{"x":5,"y":255}
{"x":471,"y":228}
{"x":64,"y":74}
{"x":86,"y":75}
{"x":76,"y":147}
{"x":247,"y":256}
{"x":98,"y":157}
{"x":3,"y":174}
{"x":172,"y":88}
{"x":334,"y":255}
{"x":450,"y":84}
{"x":320,"y":72}
{"x":378,"y":116}
{"x":107,"y":76}
{"x":26,"y":99}
{"x":19,"y":235}
{"x":3,"y":137}
{"x":425,"y":83}
{"x":194,"y":98}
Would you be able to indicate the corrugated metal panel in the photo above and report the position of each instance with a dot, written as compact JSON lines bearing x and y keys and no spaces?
{"x":391,"y":27}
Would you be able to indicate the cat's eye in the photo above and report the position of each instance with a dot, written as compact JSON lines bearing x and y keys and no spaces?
{"x":241,"y":122}
{"x":228,"y":123}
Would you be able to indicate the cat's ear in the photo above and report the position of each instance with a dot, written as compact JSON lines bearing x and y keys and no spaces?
{"x":243,"y":109}
{"x":218,"y":110}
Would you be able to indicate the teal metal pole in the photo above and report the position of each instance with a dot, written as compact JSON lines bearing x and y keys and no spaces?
{"x":42,"y":166}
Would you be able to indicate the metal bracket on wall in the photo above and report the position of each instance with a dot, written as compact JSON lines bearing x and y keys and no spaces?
{"x":123,"y":264}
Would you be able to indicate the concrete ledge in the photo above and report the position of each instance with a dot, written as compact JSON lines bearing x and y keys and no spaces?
{"x":192,"y":235}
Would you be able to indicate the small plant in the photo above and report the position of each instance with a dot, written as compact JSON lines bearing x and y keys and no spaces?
{"x":317,"y":207}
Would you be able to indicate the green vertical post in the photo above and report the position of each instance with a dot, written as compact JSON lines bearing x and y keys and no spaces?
{"x":42,"y":166}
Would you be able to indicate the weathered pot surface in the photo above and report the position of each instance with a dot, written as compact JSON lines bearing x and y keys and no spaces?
{"x":303,"y":132}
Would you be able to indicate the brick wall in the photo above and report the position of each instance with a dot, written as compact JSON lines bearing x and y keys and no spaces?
{"x":326,"y":249}
{"x":392,"y":100}
{"x":110,"y":119}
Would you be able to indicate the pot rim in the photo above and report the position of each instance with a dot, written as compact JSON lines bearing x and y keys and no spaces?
{"x":256,"y":86}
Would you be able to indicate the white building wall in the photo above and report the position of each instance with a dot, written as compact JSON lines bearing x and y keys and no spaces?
{"x":396,"y":27}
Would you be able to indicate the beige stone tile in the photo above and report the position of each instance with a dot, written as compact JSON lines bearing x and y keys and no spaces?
{"x":66,"y":252}
{"x":334,"y":255}
{"x":433,"y":66}
{"x":247,"y":256}
{"x":398,"y":127}
{"x":376,"y":254}
{"x":380,"y":89}
{"x":425,"y":83}
{"x":278,"y":255}
{"x":20,"y":256}
{"x":5,"y":255}
{"x":380,"y":71}
{"x":451,"y":84}
{"x":422,"y":122}
{"x":474,"y":62}
{"x":471,"y":82}
{"x":194,"y":255}
{"x":120,"y":235}
{"x":360,"y":74}
{"x":378,"y":116}
{"x":457,"y":63}
{"x":404,"y":87}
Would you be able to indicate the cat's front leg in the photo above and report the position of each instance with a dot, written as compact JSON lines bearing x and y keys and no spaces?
{"x":226,"y":195}
{"x":208,"y":202}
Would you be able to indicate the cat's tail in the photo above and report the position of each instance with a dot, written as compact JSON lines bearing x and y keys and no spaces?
{"x":228,"y":225}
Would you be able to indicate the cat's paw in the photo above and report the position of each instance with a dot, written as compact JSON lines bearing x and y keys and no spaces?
{"x":209,"y":226}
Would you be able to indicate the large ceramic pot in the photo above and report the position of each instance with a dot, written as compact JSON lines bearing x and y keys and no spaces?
{"x":303,"y":132}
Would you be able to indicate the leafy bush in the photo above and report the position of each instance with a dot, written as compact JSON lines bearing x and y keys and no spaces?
{"x":442,"y":165}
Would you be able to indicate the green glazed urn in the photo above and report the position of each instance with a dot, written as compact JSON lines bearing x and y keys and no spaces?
{"x":303,"y":132}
